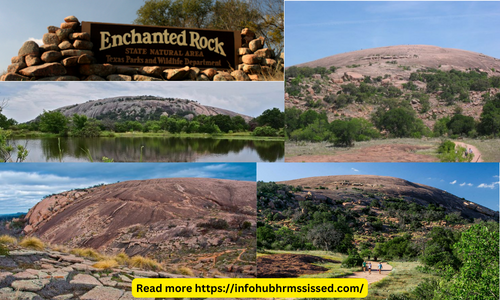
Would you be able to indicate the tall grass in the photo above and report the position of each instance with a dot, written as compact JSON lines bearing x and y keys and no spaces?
{"x":7,"y":240}
{"x":87,"y":253}
{"x":106,"y":264}
{"x":144,"y":263}
{"x":32,"y":243}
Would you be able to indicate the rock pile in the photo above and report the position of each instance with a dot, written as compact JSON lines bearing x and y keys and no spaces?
{"x":39,"y":275}
{"x":67,"y":55}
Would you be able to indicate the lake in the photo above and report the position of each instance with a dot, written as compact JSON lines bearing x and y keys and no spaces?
{"x":154,"y":149}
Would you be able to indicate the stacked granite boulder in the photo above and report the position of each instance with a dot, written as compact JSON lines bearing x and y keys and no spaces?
{"x":66,"y":55}
{"x":255,"y":60}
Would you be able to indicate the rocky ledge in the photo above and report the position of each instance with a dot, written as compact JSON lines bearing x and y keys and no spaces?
{"x":37,"y":275}
{"x":67,"y":55}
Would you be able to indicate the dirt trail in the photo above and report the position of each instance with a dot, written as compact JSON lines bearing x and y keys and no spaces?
{"x":374,"y":276}
{"x":477,"y":154}
{"x":381,"y":153}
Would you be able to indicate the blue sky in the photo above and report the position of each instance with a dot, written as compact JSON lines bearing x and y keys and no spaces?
{"x":314,"y":30}
{"x":22,"y":20}
{"x":26,"y":100}
{"x":475,"y":182}
{"x":23,"y":185}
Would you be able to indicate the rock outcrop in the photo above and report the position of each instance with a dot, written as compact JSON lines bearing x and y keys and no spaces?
{"x":66,"y":55}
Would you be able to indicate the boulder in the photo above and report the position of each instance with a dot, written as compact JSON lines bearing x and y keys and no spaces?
{"x":80,"y":36}
{"x":223,"y":76}
{"x":126,"y":70}
{"x":176,"y":74}
{"x":70,"y":25}
{"x":83,"y":45}
{"x":33,"y":60}
{"x":63,"y":34}
{"x":14,"y":68}
{"x":17,"y":59}
{"x":14,"y":77}
{"x":51,"y":56}
{"x":65,"y":45}
{"x":353,"y":76}
{"x":45,"y":70}
{"x":255,"y":45}
{"x":52,"y":29}
{"x":210,"y":73}
{"x":256,"y":77}
{"x":71,"y":19}
{"x":29,"y":48}
{"x":102,"y":70}
{"x":70,"y":61}
{"x":51,"y":39}
{"x":151,"y":71}
{"x":145,"y":78}
{"x":202,"y":77}
{"x":193,"y":73}
{"x":240,"y":75}
{"x":119,"y":77}
{"x":94,"y":78}
{"x":251,"y":59}
{"x":266,"y":53}
{"x":252,"y":69}
{"x":53,"y":47}
{"x":84,"y":59}
{"x":247,"y":32}
{"x":243,"y":51}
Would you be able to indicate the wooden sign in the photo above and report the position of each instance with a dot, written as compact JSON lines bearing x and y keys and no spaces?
{"x":139,"y":45}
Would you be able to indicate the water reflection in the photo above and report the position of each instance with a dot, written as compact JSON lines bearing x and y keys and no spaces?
{"x":154,"y":149}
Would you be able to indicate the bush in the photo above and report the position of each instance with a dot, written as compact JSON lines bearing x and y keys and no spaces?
{"x":32,"y":243}
{"x":265,"y":131}
{"x":7,"y":240}
{"x":87,"y":252}
{"x":144,"y":263}
{"x":215,"y":224}
{"x":460,"y":124}
{"x":106,"y":264}
{"x":353,"y":260}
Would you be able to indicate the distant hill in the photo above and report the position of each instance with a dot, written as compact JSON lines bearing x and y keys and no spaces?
{"x":142,"y":108}
{"x":7,"y":217}
{"x":362,"y":189}
{"x":373,"y":61}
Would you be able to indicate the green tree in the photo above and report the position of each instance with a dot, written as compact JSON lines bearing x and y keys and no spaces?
{"x":490,"y":117}
{"x":438,"y":252}
{"x":460,"y":124}
{"x":53,"y":122}
{"x":272,"y":117}
{"x":325,"y":236}
{"x":399,"y":122}
{"x":478,"y":278}
{"x":177,"y":13}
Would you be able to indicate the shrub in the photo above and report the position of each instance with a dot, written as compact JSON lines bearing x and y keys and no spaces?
{"x":7,"y":240}
{"x":144,"y":263}
{"x":106,"y":264}
{"x":353,"y":260}
{"x":32,"y":243}
{"x":185,"y":271}
{"x":122,"y":258}
{"x":265,"y":131}
{"x":215,"y":224}
{"x":87,"y":252}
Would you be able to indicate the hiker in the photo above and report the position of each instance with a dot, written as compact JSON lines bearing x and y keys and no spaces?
{"x":369,"y":267}
{"x":364,"y":266}
{"x":466,"y":153}
{"x":470,"y":151}
{"x":380,"y":268}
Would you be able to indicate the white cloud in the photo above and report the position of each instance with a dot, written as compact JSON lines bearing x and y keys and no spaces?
{"x":453,"y":182}
{"x":470,"y":184}
{"x":355,"y":170}
{"x":488,"y":186}
{"x":462,"y":184}
{"x":38,"y":41}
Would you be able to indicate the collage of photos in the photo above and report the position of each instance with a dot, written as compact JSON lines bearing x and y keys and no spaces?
{"x":172,"y":139}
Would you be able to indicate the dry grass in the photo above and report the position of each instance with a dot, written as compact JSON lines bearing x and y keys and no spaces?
{"x":32,"y":243}
{"x":87,"y":253}
{"x":122,"y":258}
{"x":185,"y":271}
{"x":59,"y":248}
{"x":106,"y":264}
{"x":144,"y":263}
{"x":7,"y":240}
